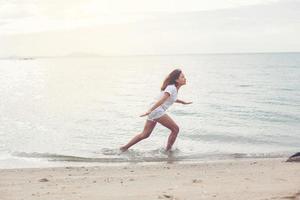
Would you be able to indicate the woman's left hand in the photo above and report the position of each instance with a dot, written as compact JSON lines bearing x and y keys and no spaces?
{"x":147,"y":113}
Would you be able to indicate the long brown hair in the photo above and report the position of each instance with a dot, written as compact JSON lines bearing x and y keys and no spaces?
{"x":171,"y":79}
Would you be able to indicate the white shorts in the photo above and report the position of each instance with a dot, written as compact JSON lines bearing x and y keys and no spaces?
{"x":157,"y":113}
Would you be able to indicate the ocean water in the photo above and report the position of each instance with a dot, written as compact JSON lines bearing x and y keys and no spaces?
{"x":80,"y":110}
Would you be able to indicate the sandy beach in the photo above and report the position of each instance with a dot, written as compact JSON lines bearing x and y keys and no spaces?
{"x":231,"y":179}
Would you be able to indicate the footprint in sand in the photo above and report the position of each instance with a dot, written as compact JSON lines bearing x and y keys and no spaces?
{"x":43,"y":180}
{"x":167,"y":196}
{"x":197,"y":181}
{"x":294,"y":197}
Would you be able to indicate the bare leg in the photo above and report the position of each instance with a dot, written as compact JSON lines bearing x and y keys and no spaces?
{"x":167,"y":121}
{"x":148,"y":128}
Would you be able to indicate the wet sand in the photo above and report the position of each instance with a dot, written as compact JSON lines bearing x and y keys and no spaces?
{"x":255,"y":179}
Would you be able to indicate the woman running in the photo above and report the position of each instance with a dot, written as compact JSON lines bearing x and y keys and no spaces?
{"x":157,"y":112}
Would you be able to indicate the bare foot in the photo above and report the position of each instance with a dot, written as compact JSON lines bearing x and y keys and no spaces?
{"x":168,"y":151}
{"x":123,"y":149}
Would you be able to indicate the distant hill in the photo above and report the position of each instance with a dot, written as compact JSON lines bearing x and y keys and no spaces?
{"x":73,"y":55}
{"x":82,"y":54}
{"x":17,"y":58}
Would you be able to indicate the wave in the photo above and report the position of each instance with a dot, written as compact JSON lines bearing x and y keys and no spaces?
{"x":279,"y":140}
{"x":67,"y":158}
{"x":158,"y":155}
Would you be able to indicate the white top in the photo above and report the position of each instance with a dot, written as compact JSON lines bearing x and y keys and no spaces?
{"x":172,"y":90}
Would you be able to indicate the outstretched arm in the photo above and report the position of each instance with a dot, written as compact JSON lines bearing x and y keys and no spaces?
{"x":158,"y":103}
{"x":183,"y":102}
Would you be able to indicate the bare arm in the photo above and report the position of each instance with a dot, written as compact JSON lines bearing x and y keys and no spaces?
{"x":157,"y":104}
{"x":183,"y":102}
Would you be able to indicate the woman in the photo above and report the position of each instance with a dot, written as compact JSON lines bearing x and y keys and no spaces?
{"x":157,"y":113}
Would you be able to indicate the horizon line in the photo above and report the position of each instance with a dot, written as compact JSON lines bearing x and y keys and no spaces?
{"x":133,"y":55}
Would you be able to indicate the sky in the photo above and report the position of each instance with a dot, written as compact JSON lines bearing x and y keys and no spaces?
{"x":139,"y":27}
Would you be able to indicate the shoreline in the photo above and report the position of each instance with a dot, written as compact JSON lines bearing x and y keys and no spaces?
{"x":45,"y":160}
{"x":267,"y":178}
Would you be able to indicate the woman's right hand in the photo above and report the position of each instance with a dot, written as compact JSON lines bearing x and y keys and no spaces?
{"x":147,"y":113}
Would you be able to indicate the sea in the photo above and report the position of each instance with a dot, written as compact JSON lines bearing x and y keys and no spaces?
{"x":78,"y":111}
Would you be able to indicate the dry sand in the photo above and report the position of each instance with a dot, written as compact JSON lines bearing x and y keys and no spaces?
{"x":232,"y":179}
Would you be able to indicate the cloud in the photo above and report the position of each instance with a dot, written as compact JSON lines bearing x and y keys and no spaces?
{"x":36,"y":16}
{"x":260,"y":27}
